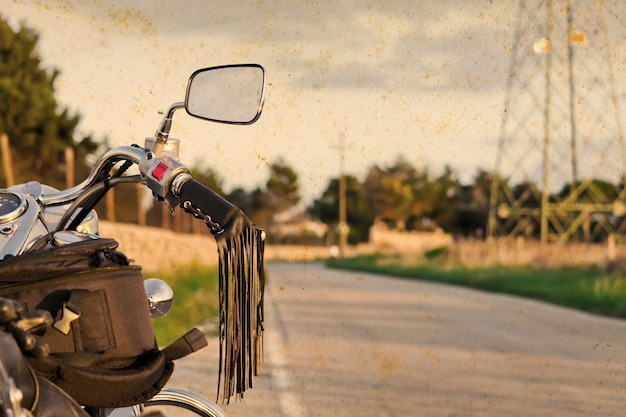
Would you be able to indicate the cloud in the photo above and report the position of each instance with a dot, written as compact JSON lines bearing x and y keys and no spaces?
{"x":427,"y":78}
{"x":417,"y":46}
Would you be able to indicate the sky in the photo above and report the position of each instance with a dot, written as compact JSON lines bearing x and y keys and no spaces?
{"x":424,"y":80}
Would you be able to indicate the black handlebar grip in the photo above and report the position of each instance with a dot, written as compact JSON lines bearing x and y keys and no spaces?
{"x":210,"y":203}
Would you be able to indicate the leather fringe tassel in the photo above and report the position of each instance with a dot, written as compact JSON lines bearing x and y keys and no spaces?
{"x":241,"y":292}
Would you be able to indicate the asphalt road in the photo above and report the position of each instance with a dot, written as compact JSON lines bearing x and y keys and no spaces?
{"x":351,"y":344}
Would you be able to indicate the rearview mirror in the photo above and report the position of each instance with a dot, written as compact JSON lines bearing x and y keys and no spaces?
{"x":226,"y":94}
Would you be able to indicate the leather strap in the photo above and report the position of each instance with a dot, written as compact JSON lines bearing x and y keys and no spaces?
{"x":190,"y":342}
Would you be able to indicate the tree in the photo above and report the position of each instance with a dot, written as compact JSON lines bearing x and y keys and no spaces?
{"x":473,"y":206}
{"x":280,"y":194}
{"x":242,"y":199}
{"x":209,"y":177}
{"x":282,"y":186}
{"x":445,"y":193}
{"x":399,"y":194}
{"x":30,"y":117}
{"x":359,"y":216}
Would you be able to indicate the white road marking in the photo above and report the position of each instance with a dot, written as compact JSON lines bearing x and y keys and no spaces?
{"x":274,"y":349}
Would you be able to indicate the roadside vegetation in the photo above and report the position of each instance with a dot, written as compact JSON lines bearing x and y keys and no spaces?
{"x":196,"y":303}
{"x":588,"y":289}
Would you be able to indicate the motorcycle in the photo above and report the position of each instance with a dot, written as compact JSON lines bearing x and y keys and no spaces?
{"x":22,"y":392}
{"x":102,"y":348}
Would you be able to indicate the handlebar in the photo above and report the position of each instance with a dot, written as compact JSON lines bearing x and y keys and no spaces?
{"x":164,"y":175}
{"x":129,"y":153}
{"x":204,"y":203}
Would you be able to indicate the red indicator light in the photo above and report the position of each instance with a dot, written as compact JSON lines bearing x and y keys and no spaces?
{"x":159,"y":171}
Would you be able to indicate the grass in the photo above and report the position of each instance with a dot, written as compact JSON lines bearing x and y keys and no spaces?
{"x":586,"y":289}
{"x":195,"y":303}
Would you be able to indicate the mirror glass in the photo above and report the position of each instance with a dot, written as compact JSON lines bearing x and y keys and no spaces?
{"x":226,"y":94}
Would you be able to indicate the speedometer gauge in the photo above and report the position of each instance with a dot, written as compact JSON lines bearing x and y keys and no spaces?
{"x":12,"y":206}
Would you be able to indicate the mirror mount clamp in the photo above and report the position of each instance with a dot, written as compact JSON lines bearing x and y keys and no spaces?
{"x":163,"y":132}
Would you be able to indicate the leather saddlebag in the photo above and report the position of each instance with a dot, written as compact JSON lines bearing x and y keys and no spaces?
{"x":103,"y":351}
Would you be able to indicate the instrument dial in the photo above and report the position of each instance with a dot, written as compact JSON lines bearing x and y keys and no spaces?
{"x":12,"y":206}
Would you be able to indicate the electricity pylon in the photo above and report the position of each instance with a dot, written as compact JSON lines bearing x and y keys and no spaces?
{"x":560,"y":163}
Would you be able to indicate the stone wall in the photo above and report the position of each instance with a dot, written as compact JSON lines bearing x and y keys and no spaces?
{"x":164,"y":251}
{"x":161,"y":250}
{"x":386,"y":240}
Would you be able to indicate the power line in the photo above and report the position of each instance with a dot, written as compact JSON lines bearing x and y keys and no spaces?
{"x":561,"y":130}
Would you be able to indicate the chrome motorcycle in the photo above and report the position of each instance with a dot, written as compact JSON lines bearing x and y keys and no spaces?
{"x":22,"y":392}
{"x":40,"y":225}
